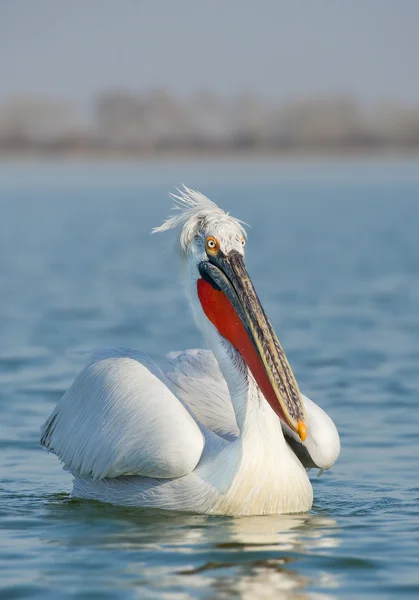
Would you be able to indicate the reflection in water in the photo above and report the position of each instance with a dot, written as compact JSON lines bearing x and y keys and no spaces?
{"x":264,"y":555}
{"x":247,"y":557}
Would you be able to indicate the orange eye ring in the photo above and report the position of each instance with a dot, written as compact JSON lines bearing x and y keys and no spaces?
{"x":212,"y":245}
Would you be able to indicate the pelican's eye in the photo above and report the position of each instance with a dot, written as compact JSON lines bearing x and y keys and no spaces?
{"x":243,"y":241}
{"x":212,"y":245}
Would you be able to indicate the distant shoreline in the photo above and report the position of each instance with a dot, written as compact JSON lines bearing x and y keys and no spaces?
{"x":311,"y":155}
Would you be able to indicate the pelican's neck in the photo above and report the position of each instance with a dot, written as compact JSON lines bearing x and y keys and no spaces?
{"x":244,"y":391}
{"x":246,"y":397}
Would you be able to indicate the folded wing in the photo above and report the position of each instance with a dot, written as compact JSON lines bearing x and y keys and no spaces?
{"x":196,"y":378}
{"x":120,"y":418}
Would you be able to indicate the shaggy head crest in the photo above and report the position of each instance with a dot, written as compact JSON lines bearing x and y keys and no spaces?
{"x":198,"y":215}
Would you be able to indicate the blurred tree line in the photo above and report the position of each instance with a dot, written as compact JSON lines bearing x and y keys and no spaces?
{"x":125,"y":123}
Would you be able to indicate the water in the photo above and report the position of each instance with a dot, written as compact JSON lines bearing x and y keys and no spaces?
{"x":334,"y":254}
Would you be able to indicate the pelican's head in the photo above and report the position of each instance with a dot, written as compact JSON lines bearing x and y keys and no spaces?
{"x":212,"y":243}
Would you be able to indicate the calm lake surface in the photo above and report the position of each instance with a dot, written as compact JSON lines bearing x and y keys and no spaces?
{"x":334,"y":254}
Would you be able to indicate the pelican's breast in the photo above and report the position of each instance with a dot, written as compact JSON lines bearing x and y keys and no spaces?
{"x":260,"y":474}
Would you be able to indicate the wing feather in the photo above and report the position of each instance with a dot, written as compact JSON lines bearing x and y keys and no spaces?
{"x":120,"y":418}
{"x":196,"y":378}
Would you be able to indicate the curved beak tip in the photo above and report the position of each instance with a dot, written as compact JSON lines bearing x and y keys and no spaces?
{"x":302,"y":430}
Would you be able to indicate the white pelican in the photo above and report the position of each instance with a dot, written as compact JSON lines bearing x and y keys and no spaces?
{"x":222,"y":431}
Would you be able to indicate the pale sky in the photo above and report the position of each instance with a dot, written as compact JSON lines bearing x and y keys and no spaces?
{"x":277,"y":49}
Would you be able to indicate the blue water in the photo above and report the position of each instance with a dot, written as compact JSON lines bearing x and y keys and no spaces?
{"x":334,"y":254}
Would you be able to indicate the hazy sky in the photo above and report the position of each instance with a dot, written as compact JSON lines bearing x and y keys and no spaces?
{"x":279,"y":49}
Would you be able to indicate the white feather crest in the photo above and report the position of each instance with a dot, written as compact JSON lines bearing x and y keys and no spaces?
{"x":197,"y":214}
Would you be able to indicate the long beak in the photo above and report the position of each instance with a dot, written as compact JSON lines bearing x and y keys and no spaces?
{"x":229,"y":300}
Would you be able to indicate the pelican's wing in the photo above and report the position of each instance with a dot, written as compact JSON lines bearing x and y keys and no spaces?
{"x":196,"y":379}
{"x":322,"y":445}
{"x":120,"y":418}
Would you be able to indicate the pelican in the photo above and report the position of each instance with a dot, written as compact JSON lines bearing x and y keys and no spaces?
{"x":221,"y":431}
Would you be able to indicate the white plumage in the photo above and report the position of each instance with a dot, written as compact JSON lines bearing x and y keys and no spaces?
{"x":193,"y":433}
{"x":200,"y":384}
